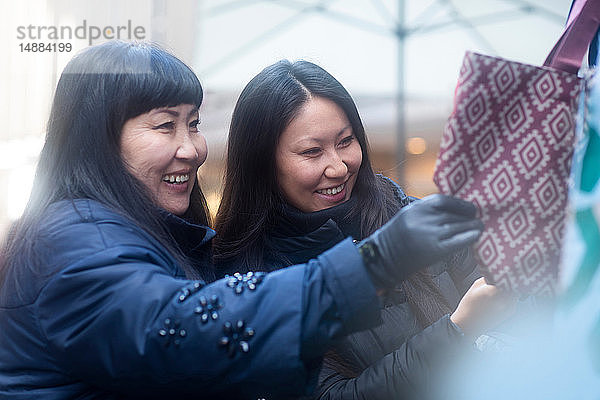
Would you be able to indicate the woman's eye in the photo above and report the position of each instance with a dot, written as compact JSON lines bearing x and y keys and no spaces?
{"x":311,"y":152}
{"x":194,"y":125}
{"x":166,"y":125}
{"x":346,"y":141}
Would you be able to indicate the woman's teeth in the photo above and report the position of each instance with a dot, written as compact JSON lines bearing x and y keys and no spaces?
{"x":331,"y":191}
{"x":176,"y":178}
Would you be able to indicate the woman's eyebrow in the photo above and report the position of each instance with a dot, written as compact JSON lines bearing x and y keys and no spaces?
{"x":344,"y":129}
{"x":167,"y":111}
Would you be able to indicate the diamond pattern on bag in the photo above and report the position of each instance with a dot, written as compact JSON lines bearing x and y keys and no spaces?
{"x":554,"y":232}
{"x":507,"y":147}
{"x":516,"y":117}
{"x":469,"y":73}
{"x":516,"y":224}
{"x":504,"y":80}
{"x":476,"y":110}
{"x":531,"y":154}
{"x":487,"y":146}
{"x":450,"y":140}
{"x":544,"y":89}
{"x":547,"y":194}
{"x":466,"y":71}
{"x":559,"y":126}
{"x":502,"y":185}
{"x":458,"y":174}
{"x":532,"y":260}
{"x":489,"y":249}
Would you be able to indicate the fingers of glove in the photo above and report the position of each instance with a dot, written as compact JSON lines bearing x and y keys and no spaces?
{"x":460,"y":240}
{"x":451,"y":205}
{"x":442,"y":218}
{"x":424,"y":212}
{"x":447,"y":231}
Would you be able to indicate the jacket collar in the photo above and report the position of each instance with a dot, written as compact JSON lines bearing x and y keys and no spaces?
{"x":188,"y":236}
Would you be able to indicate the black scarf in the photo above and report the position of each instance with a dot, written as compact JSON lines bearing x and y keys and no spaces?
{"x":296,"y":236}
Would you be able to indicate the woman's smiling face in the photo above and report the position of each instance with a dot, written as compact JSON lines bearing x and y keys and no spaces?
{"x":317,"y":157}
{"x":163,"y":149}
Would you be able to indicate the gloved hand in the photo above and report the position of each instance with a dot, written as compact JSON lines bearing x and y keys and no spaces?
{"x":420,"y":234}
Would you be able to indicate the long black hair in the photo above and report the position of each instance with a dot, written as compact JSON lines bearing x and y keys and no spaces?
{"x":251,"y":196}
{"x":99,"y":90}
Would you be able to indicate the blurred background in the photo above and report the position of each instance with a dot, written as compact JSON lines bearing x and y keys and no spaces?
{"x":399,"y":59}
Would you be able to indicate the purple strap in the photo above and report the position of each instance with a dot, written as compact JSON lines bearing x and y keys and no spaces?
{"x":567,"y":54}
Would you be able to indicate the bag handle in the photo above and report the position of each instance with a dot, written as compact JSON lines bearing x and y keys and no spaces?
{"x":584,"y":20}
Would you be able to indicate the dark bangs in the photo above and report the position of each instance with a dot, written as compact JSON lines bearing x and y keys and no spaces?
{"x":156,"y":79}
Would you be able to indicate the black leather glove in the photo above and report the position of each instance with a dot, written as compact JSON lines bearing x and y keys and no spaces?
{"x":420,"y":234}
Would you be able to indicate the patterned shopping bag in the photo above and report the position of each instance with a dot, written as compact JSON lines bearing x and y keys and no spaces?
{"x":507,"y":147}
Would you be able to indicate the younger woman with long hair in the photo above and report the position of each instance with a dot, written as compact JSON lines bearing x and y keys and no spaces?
{"x":299,"y":180}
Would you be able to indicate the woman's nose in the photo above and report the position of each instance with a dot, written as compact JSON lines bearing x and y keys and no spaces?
{"x":187,"y":149}
{"x":336,"y":167}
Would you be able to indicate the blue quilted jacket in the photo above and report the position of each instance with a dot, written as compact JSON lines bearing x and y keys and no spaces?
{"x":103,"y":311}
